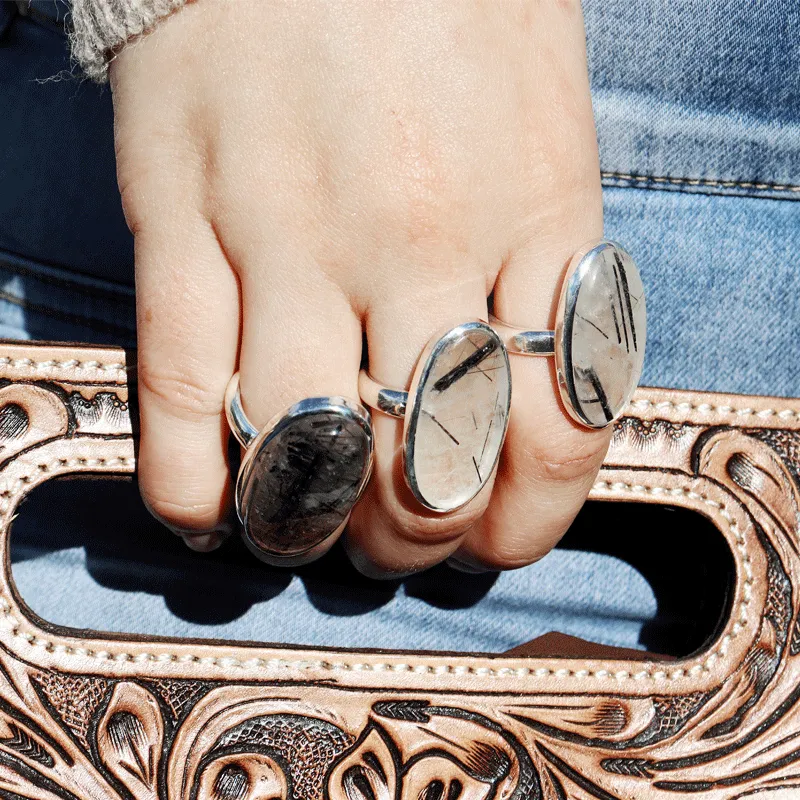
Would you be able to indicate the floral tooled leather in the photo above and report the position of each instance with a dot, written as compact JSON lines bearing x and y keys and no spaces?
{"x":92,"y":715}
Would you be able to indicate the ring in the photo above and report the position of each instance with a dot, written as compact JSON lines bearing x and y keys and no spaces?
{"x":599,"y":339}
{"x":455,"y":414}
{"x":300,"y":475}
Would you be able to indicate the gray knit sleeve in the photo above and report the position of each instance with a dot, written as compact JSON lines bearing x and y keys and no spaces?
{"x":100,"y":27}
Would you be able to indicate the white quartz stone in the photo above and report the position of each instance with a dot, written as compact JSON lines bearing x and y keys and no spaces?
{"x":457,"y":417}
{"x":603,"y":335}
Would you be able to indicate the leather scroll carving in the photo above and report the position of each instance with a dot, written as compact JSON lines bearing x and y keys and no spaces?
{"x":90,"y":715}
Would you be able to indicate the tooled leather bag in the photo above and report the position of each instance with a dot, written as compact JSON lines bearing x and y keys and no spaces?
{"x":89,"y":715}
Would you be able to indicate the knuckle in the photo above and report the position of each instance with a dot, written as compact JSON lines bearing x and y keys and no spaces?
{"x":566,"y":468}
{"x":563,"y":168}
{"x":568,"y":182}
{"x":156,"y":172}
{"x":424,"y":220}
{"x":182,"y":391}
{"x":413,"y":528}
{"x":422,"y":196}
{"x":563,"y":461}
{"x":133,"y":205}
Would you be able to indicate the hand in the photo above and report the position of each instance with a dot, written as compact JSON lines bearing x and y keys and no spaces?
{"x":297,"y":173}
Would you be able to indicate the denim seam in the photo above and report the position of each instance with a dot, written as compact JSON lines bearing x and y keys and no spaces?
{"x":74,"y":319}
{"x":120,"y":297}
{"x":720,"y":184}
{"x":9,"y":497}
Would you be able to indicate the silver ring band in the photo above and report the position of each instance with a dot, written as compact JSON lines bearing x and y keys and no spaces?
{"x":240,"y":425}
{"x":389,"y":401}
{"x":526,"y":343}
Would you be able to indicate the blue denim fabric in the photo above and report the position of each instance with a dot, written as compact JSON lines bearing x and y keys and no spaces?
{"x":723,"y":287}
{"x":697,"y":106}
{"x":697,"y":95}
{"x":58,"y":199}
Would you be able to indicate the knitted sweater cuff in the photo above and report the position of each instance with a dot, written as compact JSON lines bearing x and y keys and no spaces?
{"x":101,"y":27}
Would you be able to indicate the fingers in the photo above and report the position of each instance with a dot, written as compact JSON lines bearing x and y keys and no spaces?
{"x":301,"y":340}
{"x":546,"y":470}
{"x":188,"y":331}
{"x":548,"y":462}
{"x":390,"y":531}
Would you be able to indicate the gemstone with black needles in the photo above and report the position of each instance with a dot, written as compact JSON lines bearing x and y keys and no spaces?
{"x":602,"y":336}
{"x":458,"y":417}
{"x":302,"y":480}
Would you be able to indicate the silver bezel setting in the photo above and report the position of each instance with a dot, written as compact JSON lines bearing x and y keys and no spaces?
{"x":310,"y":406}
{"x":565,"y":318}
{"x":426,"y":361}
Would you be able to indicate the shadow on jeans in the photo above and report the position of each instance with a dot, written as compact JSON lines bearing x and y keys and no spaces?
{"x":680,"y":554}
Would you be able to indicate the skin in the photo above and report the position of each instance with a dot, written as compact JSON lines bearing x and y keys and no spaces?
{"x":297,"y":173}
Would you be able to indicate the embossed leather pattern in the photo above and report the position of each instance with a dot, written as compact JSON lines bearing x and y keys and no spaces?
{"x":89,"y":715}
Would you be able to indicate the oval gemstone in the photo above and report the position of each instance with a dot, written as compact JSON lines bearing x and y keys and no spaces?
{"x":303,"y":479}
{"x":458,"y":418}
{"x":604,"y":332}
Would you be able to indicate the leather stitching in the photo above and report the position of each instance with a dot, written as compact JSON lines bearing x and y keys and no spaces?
{"x":725,"y":411}
{"x":8,"y":502}
{"x":72,"y":363}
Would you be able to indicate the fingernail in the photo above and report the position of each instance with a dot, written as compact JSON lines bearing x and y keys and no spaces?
{"x":203,"y":543}
{"x":223,"y":531}
{"x":206,"y":542}
{"x":369,"y":569}
{"x":470,"y":568}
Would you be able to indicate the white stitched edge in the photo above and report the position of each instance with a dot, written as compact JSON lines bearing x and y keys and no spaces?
{"x":72,"y":363}
{"x":729,"y":184}
{"x":727,"y":410}
{"x":720,"y":652}
{"x":708,"y":408}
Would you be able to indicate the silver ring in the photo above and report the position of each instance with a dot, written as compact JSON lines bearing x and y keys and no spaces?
{"x":455,"y":414}
{"x":599,"y":338}
{"x":300,"y":475}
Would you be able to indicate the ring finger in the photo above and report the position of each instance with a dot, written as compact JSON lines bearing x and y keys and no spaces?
{"x":400,"y":526}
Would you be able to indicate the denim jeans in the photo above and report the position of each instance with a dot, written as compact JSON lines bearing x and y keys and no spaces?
{"x":698,"y":114}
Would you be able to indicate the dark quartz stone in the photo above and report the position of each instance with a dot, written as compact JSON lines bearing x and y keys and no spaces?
{"x":302,"y":481}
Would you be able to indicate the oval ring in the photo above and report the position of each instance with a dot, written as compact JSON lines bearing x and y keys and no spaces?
{"x":455,"y":414}
{"x":300,"y":475}
{"x":599,"y":338}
